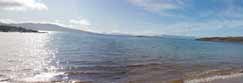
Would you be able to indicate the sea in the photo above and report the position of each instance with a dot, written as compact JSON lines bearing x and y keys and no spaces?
{"x":80,"y":57}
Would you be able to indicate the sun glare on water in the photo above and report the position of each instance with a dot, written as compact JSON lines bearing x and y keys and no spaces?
{"x":28,"y":57}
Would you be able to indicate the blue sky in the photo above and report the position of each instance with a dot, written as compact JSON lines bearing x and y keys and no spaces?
{"x":144,"y":17}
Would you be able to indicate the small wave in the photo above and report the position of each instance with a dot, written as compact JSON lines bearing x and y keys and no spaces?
{"x":216,"y":77}
{"x":143,"y":64}
{"x":4,"y":79}
{"x":54,"y":77}
{"x":94,"y":72}
{"x":45,"y":78}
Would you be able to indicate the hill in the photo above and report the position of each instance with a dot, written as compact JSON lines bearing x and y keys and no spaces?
{"x":45,"y":27}
{"x":223,"y":39}
{"x":7,"y":28}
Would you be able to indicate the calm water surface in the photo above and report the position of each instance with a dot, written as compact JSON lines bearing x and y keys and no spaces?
{"x":66,"y":57}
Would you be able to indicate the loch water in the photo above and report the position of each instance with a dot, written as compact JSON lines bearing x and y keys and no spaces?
{"x":95,"y":58}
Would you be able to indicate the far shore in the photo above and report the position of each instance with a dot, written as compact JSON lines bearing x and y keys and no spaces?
{"x":222,"y":39}
{"x":6,"y":28}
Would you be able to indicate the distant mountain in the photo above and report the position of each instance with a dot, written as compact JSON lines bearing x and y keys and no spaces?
{"x":222,"y":39}
{"x":6,"y":28}
{"x":177,"y":37}
{"x":43,"y":27}
{"x":53,"y":27}
{"x":1,"y":23}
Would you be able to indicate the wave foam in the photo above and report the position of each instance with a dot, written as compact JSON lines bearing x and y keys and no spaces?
{"x":213,"y":78}
{"x":45,"y":77}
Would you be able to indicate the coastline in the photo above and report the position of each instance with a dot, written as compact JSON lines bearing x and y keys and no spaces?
{"x":219,"y":76}
{"x":234,"y":78}
{"x":7,"y":28}
{"x":222,"y":39}
{"x":238,"y":79}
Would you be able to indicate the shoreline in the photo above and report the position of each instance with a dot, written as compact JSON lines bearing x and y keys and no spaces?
{"x":222,"y":39}
{"x":220,"y":76}
{"x":233,"y":78}
{"x":217,"y":76}
{"x":7,"y":28}
{"x":238,"y":79}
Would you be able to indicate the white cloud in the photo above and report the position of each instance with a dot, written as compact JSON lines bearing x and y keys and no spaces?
{"x":160,"y":6}
{"x":191,"y":28}
{"x":201,"y":28}
{"x":232,"y":8}
{"x":153,"y":5}
{"x":82,"y":22}
{"x":221,"y":8}
{"x":7,"y":21}
{"x":22,"y":5}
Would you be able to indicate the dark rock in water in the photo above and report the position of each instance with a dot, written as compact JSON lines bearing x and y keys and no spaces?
{"x":5,"y":28}
{"x":223,"y":39}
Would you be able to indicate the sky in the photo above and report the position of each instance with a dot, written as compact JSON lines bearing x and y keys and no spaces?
{"x":139,"y":17}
